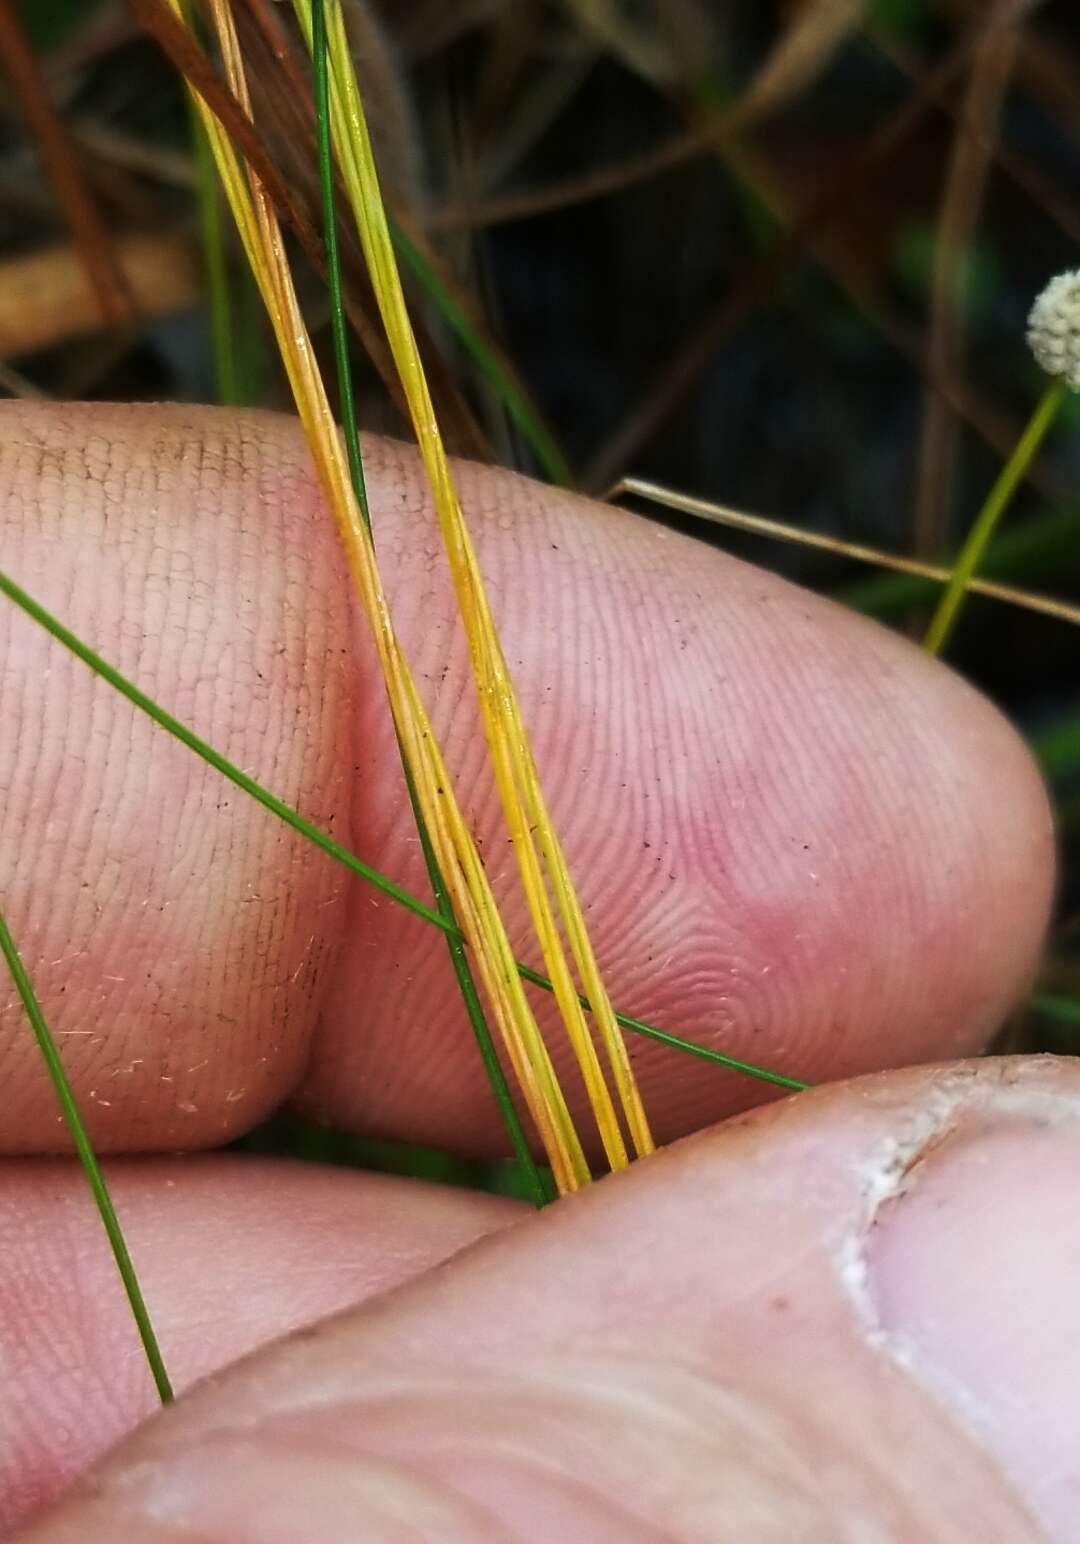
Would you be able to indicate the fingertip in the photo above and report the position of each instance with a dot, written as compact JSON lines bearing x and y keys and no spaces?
{"x":178,"y":936}
{"x":798,"y":839}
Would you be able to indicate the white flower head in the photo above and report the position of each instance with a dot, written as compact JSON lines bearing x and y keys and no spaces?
{"x":1053,"y":330}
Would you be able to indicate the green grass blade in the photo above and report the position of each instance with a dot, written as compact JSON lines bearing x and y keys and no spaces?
{"x":1058,"y":748}
{"x":321,"y":839}
{"x":539,"y":1183}
{"x":500,"y":1086}
{"x":706,"y":1053}
{"x":495,"y":371}
{"x":338,"y":325}
{"x":220,"y":763}
{"x":84,"y":1148}
{"x":1067,"y":1009}
{"x":997,"y":500}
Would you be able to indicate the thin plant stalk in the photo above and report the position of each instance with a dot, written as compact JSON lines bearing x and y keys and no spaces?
{"x":481,"y":921}
{"x":536,"y":846}
{"x":215,"y":262}
{"x":986,"y":522}
{"x":323,"y":840}
{"x":779,"y":530}
{"x":500,"y":1086}
{"x":474,"y":901}
{"x":84,"y":1148}
{"x":490,"y":367}
{"x":216,"y":266}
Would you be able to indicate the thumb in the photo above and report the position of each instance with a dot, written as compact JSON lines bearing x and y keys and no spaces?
{"x":846,"y":1316}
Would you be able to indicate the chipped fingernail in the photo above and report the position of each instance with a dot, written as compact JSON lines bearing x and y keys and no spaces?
{"x":970,"y":1274}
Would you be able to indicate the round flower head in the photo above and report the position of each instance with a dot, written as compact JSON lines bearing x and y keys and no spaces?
{"x":1054,"y":327}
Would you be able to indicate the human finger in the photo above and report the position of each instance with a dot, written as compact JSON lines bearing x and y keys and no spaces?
{"x":231,"y":1252}
{"x":796,"y":838}
{"x":846,"y":1316}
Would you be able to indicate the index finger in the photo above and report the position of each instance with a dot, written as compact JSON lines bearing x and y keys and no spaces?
{"x":797,"y":839}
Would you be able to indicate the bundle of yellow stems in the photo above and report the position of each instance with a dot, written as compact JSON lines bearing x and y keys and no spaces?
{"x":554,"y":908}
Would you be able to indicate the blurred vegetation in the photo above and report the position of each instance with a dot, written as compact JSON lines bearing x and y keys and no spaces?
{"x":779,"y":255}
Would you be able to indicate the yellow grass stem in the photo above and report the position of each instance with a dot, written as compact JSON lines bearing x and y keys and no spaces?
{"x":474,"y":903}
{"x":536,"y":845}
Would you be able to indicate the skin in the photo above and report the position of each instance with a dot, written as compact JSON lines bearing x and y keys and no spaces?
{"x":841,"y":1315}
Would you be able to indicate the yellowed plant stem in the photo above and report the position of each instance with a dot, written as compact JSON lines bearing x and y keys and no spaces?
{"x":536,"y":844}
{"x":474,"y":903}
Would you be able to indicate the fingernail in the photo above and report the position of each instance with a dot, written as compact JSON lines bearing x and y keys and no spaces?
{"x":973,"y":1271}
